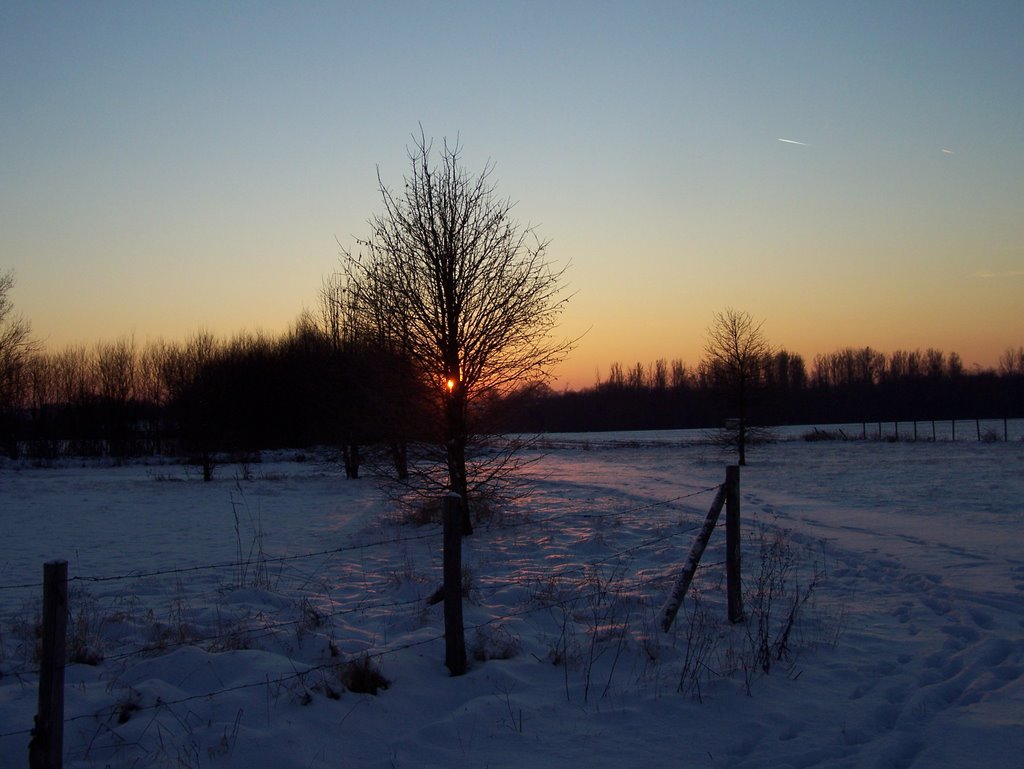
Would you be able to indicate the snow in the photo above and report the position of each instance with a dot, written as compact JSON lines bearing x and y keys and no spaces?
{"x":226,"y":612}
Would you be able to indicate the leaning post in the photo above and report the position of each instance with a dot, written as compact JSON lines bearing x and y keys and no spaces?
{"x":675,"y":600}
{"x":46,"y":748}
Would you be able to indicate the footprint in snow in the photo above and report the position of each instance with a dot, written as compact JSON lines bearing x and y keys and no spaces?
{"x":982,"y":619}
{"x":902,"y":612}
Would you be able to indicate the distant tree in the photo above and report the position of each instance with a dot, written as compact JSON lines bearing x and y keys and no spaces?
{"x":1011,"y":362}
{"x":191,"y":388}
{"x":737,"y":353}
{"x":636,"y":379}
{"x":657,"y":375}
{"x":450,"y":277}
{"x":376,"y":396}
{"x":16,"y":346}
{"x":680,"y":376}
{"x":117,"y":374}
{"x":955,"y":365}
{"x":616,"y":379}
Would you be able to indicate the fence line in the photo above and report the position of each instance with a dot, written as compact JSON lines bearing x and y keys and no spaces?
{"x":258,"y":632}
{"x":266,"y":630}
{"x":270,"y":560}
{"x":386,"y":651}
{"x":398,"y":540}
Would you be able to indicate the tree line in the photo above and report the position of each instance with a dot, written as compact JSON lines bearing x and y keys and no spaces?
{"x":197,"y":397}
{"x":845,"y":386}
{"x":316,"y":384}
{"x":330,"y":380}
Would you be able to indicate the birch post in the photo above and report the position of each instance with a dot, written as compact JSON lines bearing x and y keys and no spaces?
{"x":46,"y":748}
{"x":675,"y":601}
{"x":454,"y":632}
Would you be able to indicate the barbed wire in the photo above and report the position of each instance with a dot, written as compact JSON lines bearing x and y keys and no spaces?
{"x":541,"y":605}
{"x":544,"y":605}
{"x":271,"y":560}
{"x":259,"y":632}
{"x":269,"y":629}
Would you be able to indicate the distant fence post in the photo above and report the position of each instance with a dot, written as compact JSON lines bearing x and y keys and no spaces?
{"x":733,"y":548}
{"x":46,"y":748}
{"x":454,"y":632}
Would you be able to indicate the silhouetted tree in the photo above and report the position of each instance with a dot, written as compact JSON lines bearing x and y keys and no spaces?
{"x":116,"y":374}
{"x":1011,"y":362}
{"x":453,"y":280}
{"x":15,"y":347}
{"x":377,"y":395}
{"x":737,"y":353}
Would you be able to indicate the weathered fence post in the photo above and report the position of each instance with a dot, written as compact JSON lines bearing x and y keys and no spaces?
{"x":46,"y":748}
{"x":675,"y":601}
{"x":733,"y":546}
{"x":454,"y":632}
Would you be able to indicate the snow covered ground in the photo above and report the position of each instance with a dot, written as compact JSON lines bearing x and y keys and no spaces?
{"x":223,"y":617}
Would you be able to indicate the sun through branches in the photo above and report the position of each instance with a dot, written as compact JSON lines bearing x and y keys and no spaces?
{"x":451,"y":281}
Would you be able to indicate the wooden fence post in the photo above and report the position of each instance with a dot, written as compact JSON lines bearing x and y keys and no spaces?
{"x":46,"y":748}
{"x":454,"y":632}
{"x":733,"y":544}
{"x":675,"y":601}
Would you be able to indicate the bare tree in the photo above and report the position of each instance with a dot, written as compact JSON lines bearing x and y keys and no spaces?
{"x":462,"y":288}
{"x":117,"y":377}
{"x":1011,"y":362}
{"x":16,"y":346}
{"x":737,"y":352}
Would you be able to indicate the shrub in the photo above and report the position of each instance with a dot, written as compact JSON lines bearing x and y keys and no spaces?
{"x":362,"y":677}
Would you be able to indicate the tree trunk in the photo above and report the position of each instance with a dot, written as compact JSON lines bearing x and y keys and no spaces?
{"x":742,"y":443}
{"x":400,"y":456}
{"x":350,"y":455}
{"x":455,"y":425}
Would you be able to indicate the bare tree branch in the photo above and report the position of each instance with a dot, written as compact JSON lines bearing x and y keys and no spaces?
{"x":448,"y":277}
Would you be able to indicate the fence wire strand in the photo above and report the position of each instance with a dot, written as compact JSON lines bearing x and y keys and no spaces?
{"x":267,"y":630}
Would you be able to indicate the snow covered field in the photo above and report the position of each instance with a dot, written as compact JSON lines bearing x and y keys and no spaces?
{"x":223,"y":616}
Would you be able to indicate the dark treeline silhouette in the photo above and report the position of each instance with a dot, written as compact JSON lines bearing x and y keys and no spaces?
{"x":848,"y":385}
{"x":205,"y":396}
{"x":310,"y":386}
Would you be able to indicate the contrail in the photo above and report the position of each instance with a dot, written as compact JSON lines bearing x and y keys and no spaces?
{"x":794,"y":141}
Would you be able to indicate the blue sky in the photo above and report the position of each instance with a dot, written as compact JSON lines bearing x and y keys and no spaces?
{"x":169,"y":167}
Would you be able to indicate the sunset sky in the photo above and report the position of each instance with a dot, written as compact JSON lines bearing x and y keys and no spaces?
{"x":851,"y":173}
